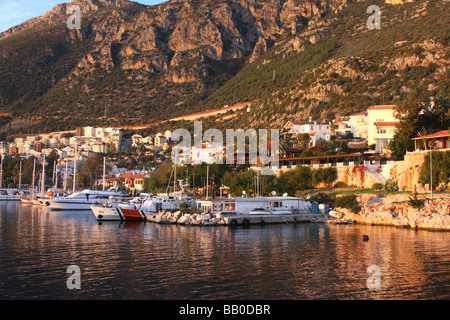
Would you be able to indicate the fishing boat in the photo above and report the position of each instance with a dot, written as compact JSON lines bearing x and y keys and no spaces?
{"x":82,"y":200}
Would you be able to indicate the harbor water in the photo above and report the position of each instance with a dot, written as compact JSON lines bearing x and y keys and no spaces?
{"x":172,"y":262}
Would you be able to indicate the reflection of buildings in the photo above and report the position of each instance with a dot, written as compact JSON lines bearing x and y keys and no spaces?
{"x":306,"y":261}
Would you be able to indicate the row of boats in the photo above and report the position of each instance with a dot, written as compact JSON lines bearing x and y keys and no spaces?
{"x":117,"y":206}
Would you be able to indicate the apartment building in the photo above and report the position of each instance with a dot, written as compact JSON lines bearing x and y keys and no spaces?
{"x":381,"y":126}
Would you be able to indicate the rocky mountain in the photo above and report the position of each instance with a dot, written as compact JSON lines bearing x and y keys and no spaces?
{"x":131,"y":64}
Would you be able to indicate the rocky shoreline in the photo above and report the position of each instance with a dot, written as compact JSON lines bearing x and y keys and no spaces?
{"x":177,"y":217}
{"x":391,"y":210}
{"x":206,"y":219}
{"x":397,"y":210}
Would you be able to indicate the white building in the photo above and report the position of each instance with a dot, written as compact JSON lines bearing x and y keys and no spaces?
{"x":308,"y":127}
{"x":209,"y":153}
{"x":358,"y":124}
{"x":89,"y":132}
{"x":381,"y":126}
{"x":342,"y":127}
{"x":160,"y":140}
{"x":316,"y":136}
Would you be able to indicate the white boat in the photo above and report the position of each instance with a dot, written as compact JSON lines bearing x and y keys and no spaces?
{"x":117,"y":209}
{"x":27,"y":197}
{"x":50,"y":194}
{"x":82,"y":200}
{"x":7,"y":194}
{"x":272,"y":205}
{"x":259,"y":211}
{"x":270,"y":211}
{"x":162,"y":203}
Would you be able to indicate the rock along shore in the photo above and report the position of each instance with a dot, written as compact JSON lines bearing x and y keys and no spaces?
{"x":396,"y":210}
{"x":206,"y":219}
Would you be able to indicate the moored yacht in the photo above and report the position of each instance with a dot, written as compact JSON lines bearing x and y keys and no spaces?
{"x":82,"y":200}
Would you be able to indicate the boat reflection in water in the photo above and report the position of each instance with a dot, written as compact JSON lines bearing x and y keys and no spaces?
{"x":132,"y":260}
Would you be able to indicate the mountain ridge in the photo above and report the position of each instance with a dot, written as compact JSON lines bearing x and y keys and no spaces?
{"x":132,"y":63}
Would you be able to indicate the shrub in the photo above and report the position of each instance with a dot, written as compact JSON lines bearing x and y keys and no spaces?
{"x":348,"y":202}
{"x":184,"y":207}
{"x":340,"y":184}
{"x":391,"y":186}
{"x":377,"y":186}
{"x":416,"y":203}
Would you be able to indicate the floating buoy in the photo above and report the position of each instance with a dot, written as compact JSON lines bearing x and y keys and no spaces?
{"x":365,"y":237}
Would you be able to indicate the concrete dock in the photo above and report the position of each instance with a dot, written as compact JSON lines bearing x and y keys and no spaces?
{"x":251,"y":219}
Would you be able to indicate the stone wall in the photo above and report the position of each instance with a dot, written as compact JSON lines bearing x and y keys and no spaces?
{"x":406,"y":173}
{"x":357,"y":176}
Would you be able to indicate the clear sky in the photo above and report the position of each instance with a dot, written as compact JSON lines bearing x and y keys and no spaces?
{"x":14,"y":12}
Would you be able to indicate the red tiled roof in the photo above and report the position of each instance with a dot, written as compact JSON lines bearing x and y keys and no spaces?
{"x":439,"y":134}
{"x":126,"y":175}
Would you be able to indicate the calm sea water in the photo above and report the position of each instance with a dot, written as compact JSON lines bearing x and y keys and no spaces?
{"x":275,"y":262}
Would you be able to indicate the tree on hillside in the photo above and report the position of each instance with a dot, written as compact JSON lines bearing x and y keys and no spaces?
{"x":294,"y":180}
{"x":90,"y":171}
{"x":324,"y":175}
{"x":418,"y":117}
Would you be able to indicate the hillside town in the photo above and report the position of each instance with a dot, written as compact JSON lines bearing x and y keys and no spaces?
{"x":366,"y":135}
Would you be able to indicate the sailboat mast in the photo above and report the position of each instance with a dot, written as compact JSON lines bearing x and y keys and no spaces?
{"x":20,"y":174}
{"x":75,"y":167}
{"x":34,"y":173}
{"x":43,"y":176}
{"x":1,"y":172}
{"x":175,"y":173}
{"x":104,"y":165}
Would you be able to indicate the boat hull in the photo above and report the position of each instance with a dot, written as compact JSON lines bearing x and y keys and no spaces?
{"x":74,"y":205}
{"x":9,"y":198}
{"x":106,"y":214}
{"x":103,"y":213}
{"x":26,"y":200}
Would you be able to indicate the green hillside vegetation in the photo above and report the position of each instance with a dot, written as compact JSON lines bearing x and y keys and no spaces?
{"x":35,"y":79}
